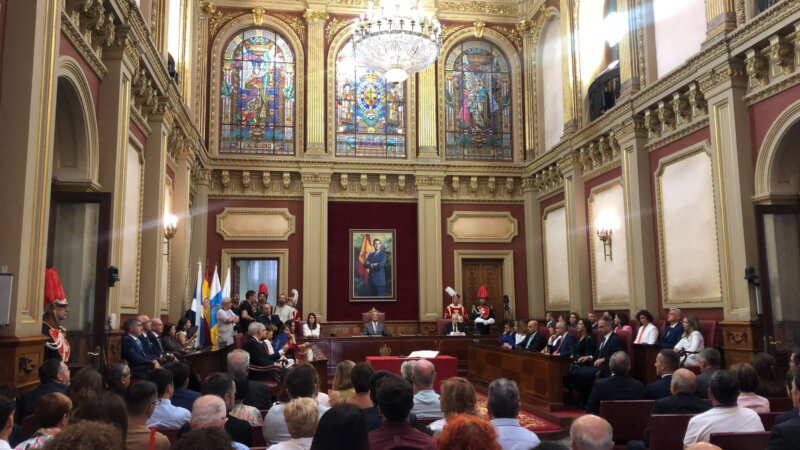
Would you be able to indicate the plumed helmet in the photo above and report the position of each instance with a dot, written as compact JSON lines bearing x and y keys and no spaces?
{"x":53,"y":290}
{"x":262,"y":289}
{"x":483,"y":292}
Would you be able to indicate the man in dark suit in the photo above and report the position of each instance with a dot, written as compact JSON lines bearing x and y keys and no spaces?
{"x":182,"y":396}
{"x":259,"y":347}
{"x":534,"y":341}
{"x":619,"y":386}
{"x":53,"y":377}
{"x":376,"y":264}
{"x":564,"y":344}
{"x":609,"y":343}
{"x":667,"y":362}
{"x":786,"y":434}
{"x":673,"y":331}
{"x":710,"y":361}
{"x":373,"y":327}
{"x":133,"y":350}
{"x":257,"y":393}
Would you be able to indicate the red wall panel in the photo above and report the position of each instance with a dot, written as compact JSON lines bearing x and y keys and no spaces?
{"x":66,"y":48}
{"x":401,"y":217}
{"x":763,"y":115}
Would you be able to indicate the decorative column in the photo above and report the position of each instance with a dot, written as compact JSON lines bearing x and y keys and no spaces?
{"x":316,"y":186}
{"x":182,"y":279}
{"x":577,"y":245}
{"x":642,"y":269}
{"x":201,"y":180}
{"x":315,"y":109}
{"x":427,"y":113}
{"x":429,"y":229}
{"x":635,"y":46}
{"x":533,"y":248}
{"x":570,"y":79}
{"x":721,"y":17}
{"x":151,"y":288}
{"x":529,"y":78}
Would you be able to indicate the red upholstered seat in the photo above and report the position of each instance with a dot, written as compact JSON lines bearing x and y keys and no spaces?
{"x":628,"y":418}
{"x":574,"y":333}
{"x":423,"y":423}
{"x":660,"y":324}
{"x":170,"y":433}
{"x":440,"y":326}
{"x":627,"y":339}
{"x":298,"y":328}
{"x":779,"y":404}
{"x":239,"y":340}
{"x":258,"y":436}
{"x":737,"y":441}
{"x":768,"y":419}
{"x":667,"y":431}
{"x":367,"y":316}
{"x":29,"y":425}
{"x":708,"y":328}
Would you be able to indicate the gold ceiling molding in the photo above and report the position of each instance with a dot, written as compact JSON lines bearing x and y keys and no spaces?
{"x":256,"y":224}
{"x":482,"y":226}
{"x":296,"y":23}
{"x":335,"y":26}
{"x":503,"y":9}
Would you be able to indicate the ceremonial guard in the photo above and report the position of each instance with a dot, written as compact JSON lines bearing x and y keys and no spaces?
{"x":56,"y":310}
{"x":455,"y":307}
{"x":482,"y":313}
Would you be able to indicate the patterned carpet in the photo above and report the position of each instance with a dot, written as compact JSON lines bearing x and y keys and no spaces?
{"x":526,"y":419}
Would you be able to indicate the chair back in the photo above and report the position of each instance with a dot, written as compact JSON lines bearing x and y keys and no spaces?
{"x":544,"y":332}
{"x":660,"y":324}
{"x":708,"y":328}
{"x":768,"y":419}
{"x":736,"y":441}
{"x":258,"y":436}
{"x":667,"y":431}
{"x":780,"y":404}
{"x":367,"y":317}
{"x":627,"y":339}
{"x":440,"y":326}
{"x":422,"y":424}
{"x":628,"y":418}
{"x":574,"y":333}
{"x":298,"y":328}
{"x":239,"y":339}
{"x":170,"y":433}
{"x":29,"y":425}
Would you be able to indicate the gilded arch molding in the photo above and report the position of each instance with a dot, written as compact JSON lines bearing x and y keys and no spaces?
{"x":774,"y":171}
{"x":226,"y":33}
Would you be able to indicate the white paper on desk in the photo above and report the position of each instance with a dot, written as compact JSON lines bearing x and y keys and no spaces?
{"x":424,"y":354}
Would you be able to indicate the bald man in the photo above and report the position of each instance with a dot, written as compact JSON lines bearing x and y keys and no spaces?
{"x":702,"y":446}
{"x":210,"y":411}
{"x":683,"y":399}
{"x":591,"y":432}
{"x":426,"y":400}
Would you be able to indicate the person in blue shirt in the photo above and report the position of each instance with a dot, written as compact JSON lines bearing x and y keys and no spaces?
{"x":507,"y":337}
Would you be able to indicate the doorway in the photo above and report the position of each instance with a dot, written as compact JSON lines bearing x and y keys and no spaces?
{"x":250,"y":273}
{"x":483,"y":272}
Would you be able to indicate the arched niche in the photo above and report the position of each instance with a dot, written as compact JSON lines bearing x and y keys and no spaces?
{"x":777,"y":172}
{"x":75,"y":143}
{"x":548,"y":66}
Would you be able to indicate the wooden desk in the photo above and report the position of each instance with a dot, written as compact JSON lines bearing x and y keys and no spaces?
{"x":445,"y":366}
{"x":540,"y":377}
{"x":208,"y":360}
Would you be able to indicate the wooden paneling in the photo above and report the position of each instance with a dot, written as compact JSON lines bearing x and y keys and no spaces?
{"x":22,"y":357}
{"x":483,"y":272}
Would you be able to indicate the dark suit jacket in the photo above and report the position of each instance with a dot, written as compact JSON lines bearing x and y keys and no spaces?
{"x":615,"y":387}
{"x":258,"y":395}
{"x":788,"y":415}
{"x":681,"y":403}
{"x":565,"y":346}
{"x":785,"y":436}
{"x":148,"y":348}
{"x":239,"y":430}
{"x":380,"y":330}
{"x":659,"y":389}
{"x":377,"y":274}
{"x":702,"y":382}
{"x":184,"y":398}
{"x":258,"y":354}
{"x":613,"y":345}
{"x":155,"y":345}
{"x":28,"y":401}
{"x":533,"y":342}
{"x":671,"y":336}
{"x":136,"y":356}
{"x":449,"y":328}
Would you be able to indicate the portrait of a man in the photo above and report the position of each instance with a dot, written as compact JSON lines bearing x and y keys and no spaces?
{"x":372,"y":265}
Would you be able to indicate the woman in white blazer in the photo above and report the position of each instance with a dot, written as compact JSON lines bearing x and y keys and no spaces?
{"x":648,"y":333}
{"x":311,"y":328}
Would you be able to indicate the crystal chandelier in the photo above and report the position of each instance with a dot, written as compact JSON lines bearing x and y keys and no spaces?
{"x":397,"y":39}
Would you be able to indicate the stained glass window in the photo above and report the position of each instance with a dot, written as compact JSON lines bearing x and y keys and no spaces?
{"x":477,"y":96}
{"x":257,"y":94}
{"x":370,"y":113}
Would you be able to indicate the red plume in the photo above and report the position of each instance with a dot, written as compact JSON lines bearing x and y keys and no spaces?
{"x":483,"y":292}
{"x":53,"y":290}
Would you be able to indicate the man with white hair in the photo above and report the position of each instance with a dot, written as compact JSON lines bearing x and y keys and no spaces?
{"x":673,"y":331}
{"x":258,"y":393}
{"x":226,"y":319}
{"x":209,"y":411}
{"x":426,"y":400}
{"x":591,"y":432}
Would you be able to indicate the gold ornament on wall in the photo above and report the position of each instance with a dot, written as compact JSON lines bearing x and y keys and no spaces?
{"x":258,"y":16}
{"x":479,"y":26}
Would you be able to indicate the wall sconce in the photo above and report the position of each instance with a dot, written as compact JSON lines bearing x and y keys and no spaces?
{"x":604,"y":225}
{"x":170,"y":228}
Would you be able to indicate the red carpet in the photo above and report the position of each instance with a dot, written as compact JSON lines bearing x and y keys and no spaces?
{"x":526,"y":419}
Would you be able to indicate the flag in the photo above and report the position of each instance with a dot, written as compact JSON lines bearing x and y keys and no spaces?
{"x":226,"y":288}
{"x":197,"y":307}
{"x":215,"y":303}
{"x":206,"y":309}
{"x":366,"y":249}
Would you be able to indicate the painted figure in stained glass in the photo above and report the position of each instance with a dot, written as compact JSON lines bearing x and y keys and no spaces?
{"x":477,"y":103}
{"x":257,"y":94}
{"x":369,"y":111}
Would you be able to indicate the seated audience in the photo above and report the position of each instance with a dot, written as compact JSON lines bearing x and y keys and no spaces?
{"x":151,"y":330}
{"x":139,"y":357}
{"x":591,"y":432}
{"x":786,"y":432}
{"x":342,"y":385}
{"x":166,"y":415}
{"x":467,"y":432}
{"x":673,"y":330}
{"x":226,"y":320}
{"x":141,"y":399}
{"x":667,"y":362}
{"x":374,"y":327}
{"x":206,"y":439}
{"x":240,"y":410}
{"x":341,"y":420}
{"x":426,"y":400}
{"x":621,"y":322}
{"x":574,"y":318}
{"x":647,"y":333}
{"x":283,"y":338}
{"x":169,"y":340}
{"x":16,"y":436}
{"x":563,"y":344}
{"x":312,"y":328}
{"x":118,"y":377}
{"x":109,"y":408}
{"x":692,"y":341}
{"x":258,"y":395}
{"x":768,"y":383}
{"x":364,"y":383}
{"x":6,"y":421}
{"x":503,"y":407}
{"x":709,"y":360}
{"x":209,"y":412}
{"x":584,"y":349}
{"x":584,"y":375}
{"x":748,"y":382}
{"x":180,"y":334}
{"x":592,"y":317}
{"x":300,"y":381}
{"x":455,"y":327}
{"x":794,"y":393}
{"x":182,"y":396}
{"x":725,"y":416}
{"x":395,"y":399}
{"x":407,"y":370}
{"x":53,"y":377}
{"x":534,"y":341}
{"x":221,"y":385}
{"x":88,"y":436}
{"x":520,"y":331}
{"x":84,"y":386}
{"x":52,"y":413}
{"x":683,"y":400}
{"x":507,"y":338}
{"x":619,"y":386}
{"x":457,"y":397}
{"x":259,"y":346}
{"x":552,"y":332}
{"x":549,"y":320}
{"x":301,"y":416}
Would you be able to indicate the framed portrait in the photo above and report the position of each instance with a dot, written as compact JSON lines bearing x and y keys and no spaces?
{"x":372,"y":262}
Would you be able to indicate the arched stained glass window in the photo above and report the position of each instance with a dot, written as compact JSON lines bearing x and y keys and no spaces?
{"x":477,"y":96}
{"x":370,"y":113}
{"x":257,"y":94}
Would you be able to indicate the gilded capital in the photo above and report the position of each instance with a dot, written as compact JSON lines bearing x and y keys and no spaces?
{"x":315,"y":16}
{"x":258,"y":16}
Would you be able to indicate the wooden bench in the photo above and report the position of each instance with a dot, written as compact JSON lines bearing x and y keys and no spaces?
{"x":667,"y":431}
{"x":741,"y":441}
{"x":628,"y":418}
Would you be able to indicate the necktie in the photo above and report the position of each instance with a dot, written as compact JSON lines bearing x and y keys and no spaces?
{"x":374,"y":328}
{"x":639,"y":337}
{"x":530,"y":339}
{"x":560,"y":341}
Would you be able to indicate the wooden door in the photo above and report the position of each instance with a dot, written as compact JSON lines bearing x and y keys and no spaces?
{"x":482,"y":272}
